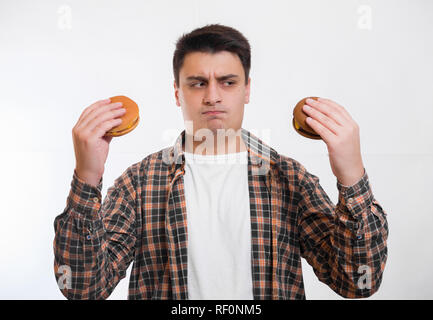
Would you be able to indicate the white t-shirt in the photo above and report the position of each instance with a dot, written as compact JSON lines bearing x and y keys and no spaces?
{"x":219,"y":227}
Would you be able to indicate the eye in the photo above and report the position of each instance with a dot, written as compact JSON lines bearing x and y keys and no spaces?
{"x":195,"y":84}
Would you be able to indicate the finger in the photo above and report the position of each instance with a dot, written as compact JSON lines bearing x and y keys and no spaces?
{"x":328,"y":110}
{"x":322,"y":119}
{"x":92,"y":107}
{"x":104,"y":116}
{"x":336,"y":106}
{"x":321,"y":130}
{"x":96,"y":110}
{"x":101,"y":129}
{"x":100,"y":110}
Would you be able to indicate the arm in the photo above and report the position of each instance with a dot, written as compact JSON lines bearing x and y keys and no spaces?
{"x":345,"y":244}
{"x":95,"y":241}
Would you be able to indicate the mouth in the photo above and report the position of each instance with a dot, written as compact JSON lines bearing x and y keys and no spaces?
{"x":213,"y":112}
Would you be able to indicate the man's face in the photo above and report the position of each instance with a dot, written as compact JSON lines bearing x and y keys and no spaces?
{"x":203,"y":87}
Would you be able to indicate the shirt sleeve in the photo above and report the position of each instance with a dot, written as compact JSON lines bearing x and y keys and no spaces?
{"x":345,"y":244}
{"x":94,"y":242}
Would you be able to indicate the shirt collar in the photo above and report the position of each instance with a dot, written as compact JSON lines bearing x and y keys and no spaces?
{"x":260,"y":154}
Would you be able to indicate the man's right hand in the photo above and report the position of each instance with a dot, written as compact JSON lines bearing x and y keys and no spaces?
{"x":90,"y":144}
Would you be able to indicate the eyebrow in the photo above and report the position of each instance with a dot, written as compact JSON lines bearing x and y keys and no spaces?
{"x":225,"y":77}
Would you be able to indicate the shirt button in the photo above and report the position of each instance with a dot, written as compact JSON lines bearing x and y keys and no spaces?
{"x":88,"y":237}
{"x":95,"y":199}
{"x":350,"y":200}
{"x":359,"y":237}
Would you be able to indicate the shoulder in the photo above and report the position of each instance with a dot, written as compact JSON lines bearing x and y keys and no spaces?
{"x":294,"y":172}
{"x":288,"y":165}
{"x":136,"y":172}
{"x":156,"y":161}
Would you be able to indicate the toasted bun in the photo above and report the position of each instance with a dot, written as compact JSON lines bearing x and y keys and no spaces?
{"x":130,"y":119}
{"x":299,"y":123}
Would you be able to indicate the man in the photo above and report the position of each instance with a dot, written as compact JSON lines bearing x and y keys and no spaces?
{"x":230,"y":220}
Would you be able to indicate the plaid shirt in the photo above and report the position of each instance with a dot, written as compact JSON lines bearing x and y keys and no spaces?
{"x":143,"y":219}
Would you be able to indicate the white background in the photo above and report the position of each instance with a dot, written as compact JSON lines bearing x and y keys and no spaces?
{"x":58,"y":57}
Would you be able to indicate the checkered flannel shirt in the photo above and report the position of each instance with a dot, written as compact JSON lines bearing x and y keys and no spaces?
{"x":143,"y":220}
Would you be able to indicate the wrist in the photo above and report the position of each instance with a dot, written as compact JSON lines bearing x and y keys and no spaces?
{"x":352,"y":178}
{"x":88,"y":177}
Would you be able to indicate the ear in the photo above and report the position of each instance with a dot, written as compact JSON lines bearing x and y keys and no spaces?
{"x":176,"y":93}
{"x":247,"y":91}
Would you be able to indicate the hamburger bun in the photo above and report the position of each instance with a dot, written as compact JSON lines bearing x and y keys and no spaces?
{"x":299,"y":123}
{"x":130,"y":118}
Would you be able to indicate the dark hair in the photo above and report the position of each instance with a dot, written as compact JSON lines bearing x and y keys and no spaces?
{"x":211,"y":39}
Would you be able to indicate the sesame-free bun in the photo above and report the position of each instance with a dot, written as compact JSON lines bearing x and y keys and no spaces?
{"x":299,"y":123}
{"x":129,"y":120}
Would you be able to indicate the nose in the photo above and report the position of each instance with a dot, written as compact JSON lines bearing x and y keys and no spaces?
{"x":212,"y":95}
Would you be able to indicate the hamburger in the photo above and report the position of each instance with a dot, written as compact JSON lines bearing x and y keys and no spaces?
{"x":130,"y":118}
{"x":299,"y":123}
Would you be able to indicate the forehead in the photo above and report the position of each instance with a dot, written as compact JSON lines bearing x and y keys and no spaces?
{"x":219,"y":63}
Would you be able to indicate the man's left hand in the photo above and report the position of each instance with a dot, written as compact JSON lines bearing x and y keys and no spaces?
{"x":341,"y":135}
